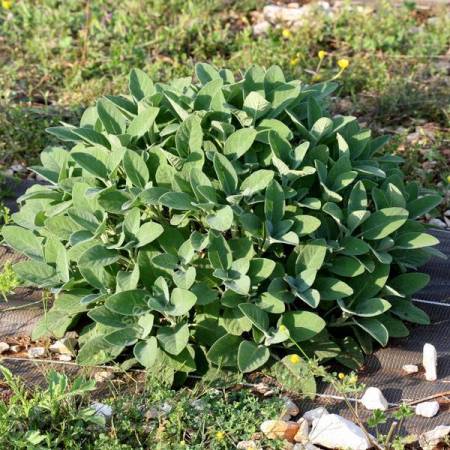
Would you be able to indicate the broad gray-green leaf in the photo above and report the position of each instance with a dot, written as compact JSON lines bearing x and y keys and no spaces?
{"x":140,"y":84}
{"x":256,"y":182}
{"x":251,"y":356}
{"x":143,"y":122}
{"x":238,"y":143}
{"x":224,"y":351}
{"x":135,"y":168}
{"x":225,"y":173}
{"x":24,"y":241}
{"x":415,"y":240}
{"x":384,"y":222}
{"x":173,"y":339}
{"x":146,"y":352}
{"x":129,"y":303}
{"x":148,"y":232}
{"x":222,"y":219}
{"x":302,"y":325}
{"x":219,"y":252}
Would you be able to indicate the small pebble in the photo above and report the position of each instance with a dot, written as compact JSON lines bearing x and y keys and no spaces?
{"x":410,"y":368}
{"x":437,"y":223}
{"x":102,"y":410}
{"x":430,"y":362}
{"x":3,"y":347}
{"x":303,"y":431}
{"x":36,"y":352}
{"x":65,"y":358}
{"x":248,"y":445}
{"x":16,"y":348}
{"x":104,"y":375}
{"x":290,"y":408}
{"x":279,"y":429}
{"x":427,"y":409}
{"x":373,"y":399}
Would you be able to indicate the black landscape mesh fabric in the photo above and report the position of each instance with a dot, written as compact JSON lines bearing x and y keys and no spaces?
{"x":383,"y":369}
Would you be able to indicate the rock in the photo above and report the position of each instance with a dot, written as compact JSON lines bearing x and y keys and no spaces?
{"x":333,"y":431}
{"x":427,"y":409}
{"x":410,"y":368}
{"x":373,"y":398}
{"x":16,"y":348}
{"x":36,"y":352}
{"x":290,"y":408}
{"x":248,"y":445}
{"x":158,"y":411}
{"x":430,"y":362}
{"x":199,"y":404}
{"x":303,"y":431}
{"x":3,"y":347}
{"x":294,"y":15}
{"x":307,"y":446}
{"x":437,"y":223}
{"x":102,"y":410}
{"x":64,"y":346}
{"x":64,"y":358}
{"x":315,"y":414}
{"x":103,"y":375}
{"x":431,"y":439}
{"x":261,"y":29}
{"x":279,"y":429}
{"x":447,"y":213}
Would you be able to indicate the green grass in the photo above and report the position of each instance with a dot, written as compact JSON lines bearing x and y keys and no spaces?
{"x":58,"y":416}
{"x":59,"y":56}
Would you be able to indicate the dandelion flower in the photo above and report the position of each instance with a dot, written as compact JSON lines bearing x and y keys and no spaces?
{"x":448,"y":178}
{"x":322,"y":54}
{"x":343,"y":63}
{"x":294,"y":359}
{"x":286,"y":33}
{"x":6,"y":4}
{"x":220,"y":435}
{"x":341,"y":376}
{"x":294,"y":61}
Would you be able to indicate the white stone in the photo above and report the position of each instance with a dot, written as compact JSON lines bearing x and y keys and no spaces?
{"x":290,"y":408}
{"x":307,"y":446}
{"x":410,"y":368}
{"x":430,"y":362}
{"x":36,"y":352}
{"x":16,"y":348}
{"x":302,"y":435}
{"x":447,"y":213}
{"x":103,"y":375}
{"x":102,"y":410}
{"x":373,"y":398}
{"x":315,"y":413}
{"x":427,"y":409}
{"x":430,"y":439}
{"x":437,"y":223}
{"x":3,"y":347}
{"x":261,"y":28}
{"x":333,"y":431}
{"x":158,"y":411}
{"x":64,"y":346}
{"x":64,"y":358}
{"x":247,"y":445}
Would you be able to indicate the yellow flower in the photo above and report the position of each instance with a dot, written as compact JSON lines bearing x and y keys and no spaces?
{"x":322,"y":54}
{"x":317,"y":77}
{"x":294,"y":359}
{"x":341,"y":376}
{"x":220,"y":435}
{"x":286,"y":33}
{"x":6,"y":4}
{"x":448,"y":178}
{"x":294,"y":61}
{"x":343,"y":63}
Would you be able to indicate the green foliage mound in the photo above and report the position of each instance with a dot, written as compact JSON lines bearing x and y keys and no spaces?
{"x":218,"y":222}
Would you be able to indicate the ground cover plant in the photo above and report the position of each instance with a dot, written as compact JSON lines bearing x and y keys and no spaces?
{"x":219,"y":223}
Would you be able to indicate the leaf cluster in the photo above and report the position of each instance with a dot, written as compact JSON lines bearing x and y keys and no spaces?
{"x":212,"y":223}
